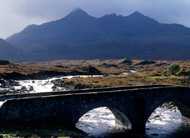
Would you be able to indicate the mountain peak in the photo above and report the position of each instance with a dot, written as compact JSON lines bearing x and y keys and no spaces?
{"x":137,"y":14}
{"x":77,"y":15}
{"x":77,"y":12}
{"x":141,"y":18}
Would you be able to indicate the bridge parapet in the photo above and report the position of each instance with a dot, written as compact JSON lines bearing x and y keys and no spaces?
{"x":97,"y":90}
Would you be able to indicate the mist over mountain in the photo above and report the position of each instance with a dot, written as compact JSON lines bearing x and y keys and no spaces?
{"x":81,"y":36}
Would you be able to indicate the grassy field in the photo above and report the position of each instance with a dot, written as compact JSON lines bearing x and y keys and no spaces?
{"x":120,"y":72}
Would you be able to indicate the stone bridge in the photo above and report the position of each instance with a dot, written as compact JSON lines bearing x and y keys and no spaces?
{"x":135,"y":104}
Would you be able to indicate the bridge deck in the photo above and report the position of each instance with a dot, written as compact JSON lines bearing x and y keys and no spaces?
{"x":80,"y":92}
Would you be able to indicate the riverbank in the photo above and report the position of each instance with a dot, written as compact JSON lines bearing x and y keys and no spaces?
{"x":78,"y":74}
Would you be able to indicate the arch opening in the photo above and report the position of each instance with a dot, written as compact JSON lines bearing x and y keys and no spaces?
{"x":165,"y":119}
{"x":2,"y":103}
{"x":102,"y":121}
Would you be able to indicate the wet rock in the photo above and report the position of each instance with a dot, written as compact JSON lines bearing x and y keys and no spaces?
{"x":45,"y":74}
{"x":8,"y":83}
{"x":147,"y":128}
{"x":146,"y":62}
{"x":108,"y":65}
{"x":81,"y":86}
{"x":4,"y":62}
{"x":69,"y":85}
{"x":23,"y":89}
{"x":58,"y":82}
{"x":13,"y":83}
{"x":3,"y":83}
{"x":31,"y":89}
{"x":9,"y":87}
{"x":154,"y":134}
{"x":39,"y":75}
{"x":73,"y":86}
{"x":90,"y":70}
{"x":126,"y":62}
{"x":13,"y":76}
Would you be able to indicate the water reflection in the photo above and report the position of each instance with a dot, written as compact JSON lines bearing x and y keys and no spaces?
{"x":183,"y":132}
{"x":40,"y":133}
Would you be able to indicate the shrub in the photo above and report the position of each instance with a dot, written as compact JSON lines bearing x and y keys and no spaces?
{"x":188,"y":74}
{"x":174,"y":69}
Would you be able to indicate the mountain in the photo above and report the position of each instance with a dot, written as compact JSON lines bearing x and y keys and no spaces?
{"x":80,"y":35}
{"x":7,"y":51}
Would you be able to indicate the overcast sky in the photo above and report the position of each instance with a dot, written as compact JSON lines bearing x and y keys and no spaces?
{"x":16,"y":14}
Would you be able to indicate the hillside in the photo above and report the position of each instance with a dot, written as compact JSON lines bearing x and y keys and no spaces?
{"x":7,"y":51}
{"x":82,"y":36}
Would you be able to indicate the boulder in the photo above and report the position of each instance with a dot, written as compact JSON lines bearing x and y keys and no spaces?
{"x":4,"y":62}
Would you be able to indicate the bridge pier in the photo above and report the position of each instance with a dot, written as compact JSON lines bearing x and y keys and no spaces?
{"x":139,"y":127}
{"x":138,"y":119}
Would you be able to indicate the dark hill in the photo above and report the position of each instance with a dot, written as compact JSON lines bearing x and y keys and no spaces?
{"x":80,"y":35}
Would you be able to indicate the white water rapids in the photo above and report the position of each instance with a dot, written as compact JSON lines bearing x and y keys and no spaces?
{"x":101,"y":120}
{"x":36,"y":86}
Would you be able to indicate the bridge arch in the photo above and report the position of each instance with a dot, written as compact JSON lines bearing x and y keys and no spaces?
{"x":103,"y":119}
{"x":181,"y":107}
{"x":165,"y":106}
{"x":166,"y":118}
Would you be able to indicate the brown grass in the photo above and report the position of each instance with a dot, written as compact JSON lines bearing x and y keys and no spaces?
{"x":116,"y":73}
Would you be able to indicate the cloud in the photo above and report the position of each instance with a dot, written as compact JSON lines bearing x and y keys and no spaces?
{"x":11,"y":21}
{"x":16,"y":14}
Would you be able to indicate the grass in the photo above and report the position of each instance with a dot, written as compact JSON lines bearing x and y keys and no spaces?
{"x":116,"y":72}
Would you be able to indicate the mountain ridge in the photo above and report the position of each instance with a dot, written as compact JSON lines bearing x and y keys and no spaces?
{"x":80,"y":35}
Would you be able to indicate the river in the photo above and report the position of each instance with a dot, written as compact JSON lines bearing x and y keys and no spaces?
{"x":165,"y":122}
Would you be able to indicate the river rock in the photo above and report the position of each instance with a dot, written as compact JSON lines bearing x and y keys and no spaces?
{"x":58,"y":84}
{"x":4,"y":62}
{"x":90,"y":70}
{"x":8,"y":83}
{"x":146,"y":62}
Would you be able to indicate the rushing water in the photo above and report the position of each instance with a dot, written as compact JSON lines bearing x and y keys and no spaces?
{"x":37,"y":86}
{"x":165,"y":122}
